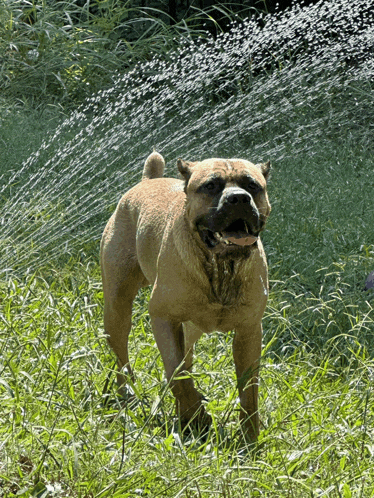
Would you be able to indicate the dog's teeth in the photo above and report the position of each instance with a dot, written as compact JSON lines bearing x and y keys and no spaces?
{"x":246,"y":228}
{"x":220,"y":237}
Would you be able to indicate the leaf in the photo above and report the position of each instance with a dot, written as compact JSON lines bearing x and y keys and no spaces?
{"x":347,"y":491}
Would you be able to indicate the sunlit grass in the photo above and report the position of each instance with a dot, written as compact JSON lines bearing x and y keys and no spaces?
{"x":63,"y":430}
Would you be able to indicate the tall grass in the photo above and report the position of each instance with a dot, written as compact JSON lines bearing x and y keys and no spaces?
{"x":63,"y":431}
{"x":62,"y":52}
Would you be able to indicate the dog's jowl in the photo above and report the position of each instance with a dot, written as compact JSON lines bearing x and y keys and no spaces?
{"x":196,"y":241}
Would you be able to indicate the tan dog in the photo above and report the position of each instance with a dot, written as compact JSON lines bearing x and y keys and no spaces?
{"x":196,"y":242}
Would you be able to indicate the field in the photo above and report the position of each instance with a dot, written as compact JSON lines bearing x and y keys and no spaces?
{"x":63,"y":430}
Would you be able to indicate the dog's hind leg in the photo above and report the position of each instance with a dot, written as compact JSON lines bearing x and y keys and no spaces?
{"x":117,"y":323}
{"x":122,"y":278}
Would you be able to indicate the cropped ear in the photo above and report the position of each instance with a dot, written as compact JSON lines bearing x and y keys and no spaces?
{"x":265,"y":169}
{"x":185,"y":168}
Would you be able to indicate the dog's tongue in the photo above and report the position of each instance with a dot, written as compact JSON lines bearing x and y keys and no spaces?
{"x":247,"y":240}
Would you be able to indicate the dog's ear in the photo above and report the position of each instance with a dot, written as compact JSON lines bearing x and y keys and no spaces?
{"x":265,"y":169}
{"x":185,"y":168}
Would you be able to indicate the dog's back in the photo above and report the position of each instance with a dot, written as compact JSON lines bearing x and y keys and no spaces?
{"x":153,"y":167}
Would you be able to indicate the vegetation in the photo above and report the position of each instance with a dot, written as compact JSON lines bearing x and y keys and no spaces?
{"x":63,"y":430}
{"x":64,"y":433}
{"x":62,"y":52}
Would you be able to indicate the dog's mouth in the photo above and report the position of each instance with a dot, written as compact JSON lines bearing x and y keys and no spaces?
{"x":236,"y":234}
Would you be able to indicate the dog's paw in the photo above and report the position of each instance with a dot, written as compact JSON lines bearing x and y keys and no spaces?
{"x":198,"y":424}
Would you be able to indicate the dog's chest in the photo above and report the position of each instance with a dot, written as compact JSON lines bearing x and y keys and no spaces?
{"x":226,"y":299}
{"x":227,"y":280}
{"x":214,"y":317}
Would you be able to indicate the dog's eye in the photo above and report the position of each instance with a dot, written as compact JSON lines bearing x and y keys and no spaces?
{"x":253,"y":187}
{"x":212,"y":187}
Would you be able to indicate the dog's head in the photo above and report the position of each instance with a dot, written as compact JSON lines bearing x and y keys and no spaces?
{"x":227,"y":203}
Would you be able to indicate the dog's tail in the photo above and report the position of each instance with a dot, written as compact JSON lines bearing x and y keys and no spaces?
{"x":153,"y":167}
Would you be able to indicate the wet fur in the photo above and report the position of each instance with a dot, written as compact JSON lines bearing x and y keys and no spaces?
{"x":225,"y":277}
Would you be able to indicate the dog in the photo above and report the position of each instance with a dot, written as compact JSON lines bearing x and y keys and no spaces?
{"x":196,"y":241}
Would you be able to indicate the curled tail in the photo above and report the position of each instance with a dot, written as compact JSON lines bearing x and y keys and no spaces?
{"x":153,"y":167}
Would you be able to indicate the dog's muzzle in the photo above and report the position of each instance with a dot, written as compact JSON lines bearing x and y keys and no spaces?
{"x":234,"y":222}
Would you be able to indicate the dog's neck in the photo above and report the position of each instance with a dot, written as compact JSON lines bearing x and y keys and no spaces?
{"x":223,"y":275}
{"x":226,"y":279}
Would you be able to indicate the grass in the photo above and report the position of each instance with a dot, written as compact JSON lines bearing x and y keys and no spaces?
{"x":63,"y":52}
{"x":63,"y":432}
{"x":22,"y":130}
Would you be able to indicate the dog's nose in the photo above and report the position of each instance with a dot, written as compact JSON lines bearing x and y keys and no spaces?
{"x":238,"y":196}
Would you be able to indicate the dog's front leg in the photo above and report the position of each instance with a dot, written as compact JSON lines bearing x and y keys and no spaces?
{"x":170,"y":341}
{"x":247,"y":353}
